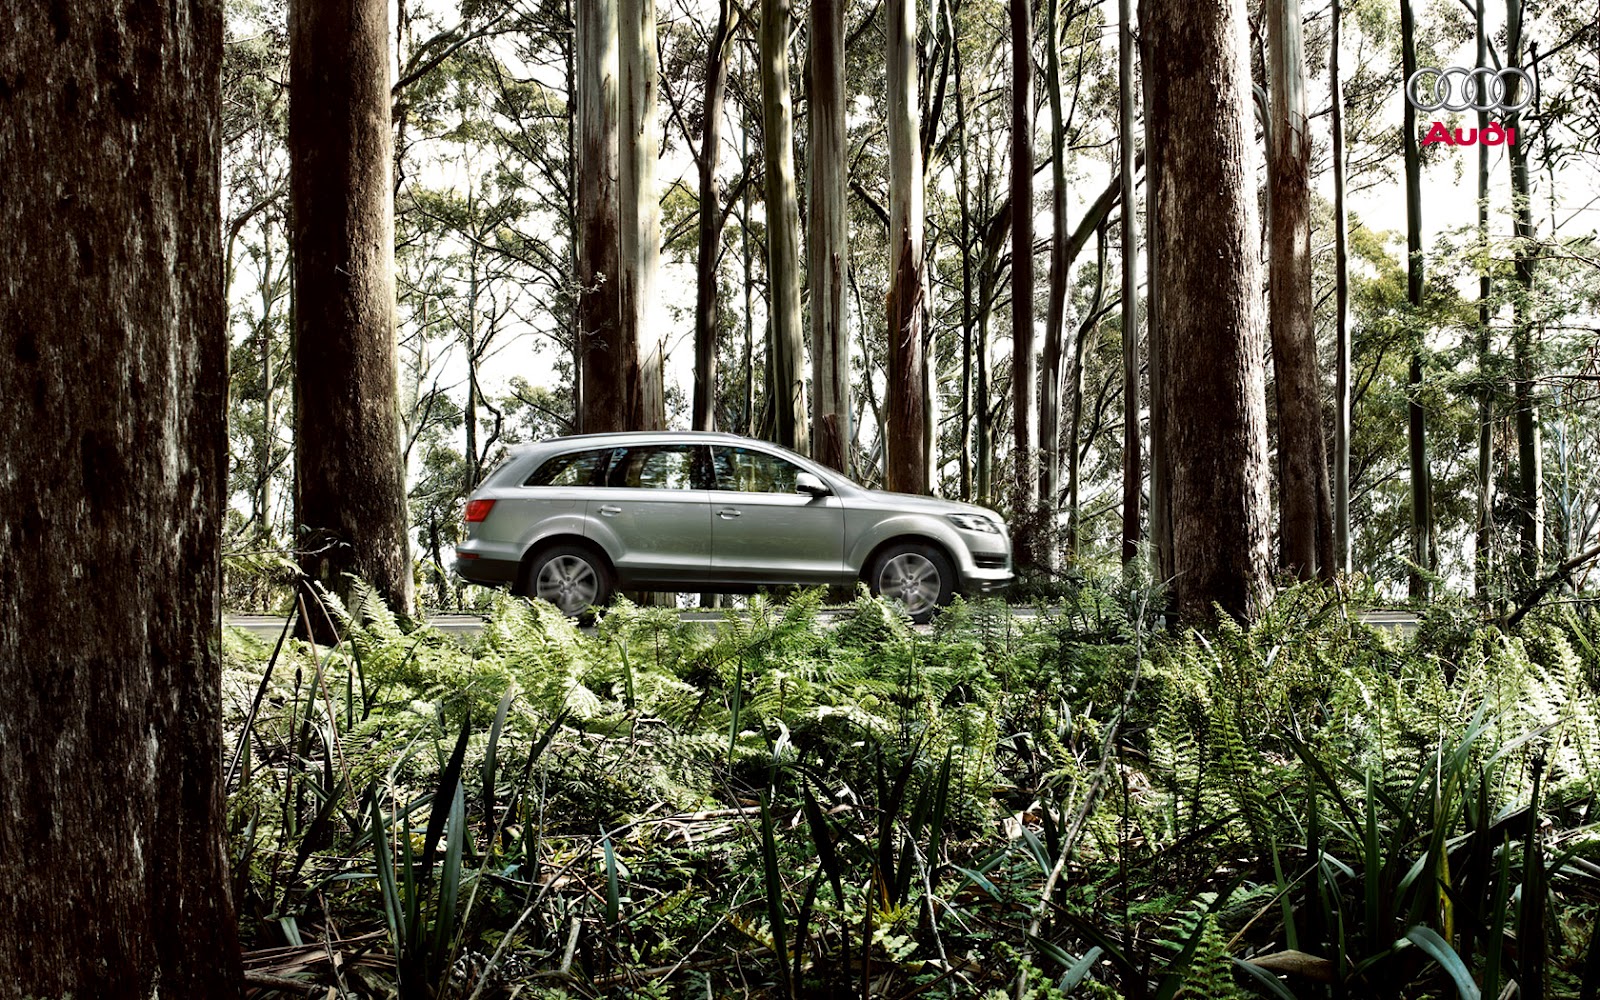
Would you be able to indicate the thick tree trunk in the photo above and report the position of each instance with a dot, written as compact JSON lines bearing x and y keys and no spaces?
{"x":1162,"y":564}
{"x":1210,"y":336}
{"x":639,"y":242}
{"x":1530,"y":459}
{"x":113,"y":467}
{"x":350,"y":500}
{"x":1132,"y":464}
{"x":829,"y":239}
{"x":1305,"y":513}
{"x":1341,"y":280}
{"x":1416,"y":423}
{"x":711,"y":216}
{"x":786,"y":390}
{"x":1024,"y":484}
{"x":907,"y":466}
{"x":610,"y":360}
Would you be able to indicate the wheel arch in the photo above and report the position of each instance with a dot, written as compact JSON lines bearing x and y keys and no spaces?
{"x":909,"y":538}
{"x":545,"y":544}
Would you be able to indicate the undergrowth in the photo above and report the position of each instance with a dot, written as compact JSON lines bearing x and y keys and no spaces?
{"x":789,"y":804}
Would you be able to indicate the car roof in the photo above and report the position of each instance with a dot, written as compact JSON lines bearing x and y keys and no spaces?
{"x":629,"y":437}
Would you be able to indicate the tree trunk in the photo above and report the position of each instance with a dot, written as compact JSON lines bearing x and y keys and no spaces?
{"x":1132,"y":464}
{"x":705,"y":304}
{"x":111,"y":504}
{"x":965,"y":210}
{"x":611,"y":375}
{"x":1056,"y":309}
{"x":907,"y":466}
{"x":1305,"y":516}
{"x":1086,"y":329}
{"x":1210,"y":335}
{"x":786,"y":390}
{"x":350,"y":500}
{"x":1481,"y":563}
{"x":1162,"y":564}
{"x":639,"y":241}
{"x":1530,"y":463}
{"x":1417,"y":427}
{"x":829,"y":239}
{"x":1024,"y":500}
{"x":1341,"y":291}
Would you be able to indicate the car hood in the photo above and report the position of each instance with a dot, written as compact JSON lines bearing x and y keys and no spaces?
{"x":914,"y":503}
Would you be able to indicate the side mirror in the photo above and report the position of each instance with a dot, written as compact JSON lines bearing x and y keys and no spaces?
{"x":805,"y":482}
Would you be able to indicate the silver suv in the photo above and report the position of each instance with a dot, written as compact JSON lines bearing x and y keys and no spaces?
{"x":573,"y":519}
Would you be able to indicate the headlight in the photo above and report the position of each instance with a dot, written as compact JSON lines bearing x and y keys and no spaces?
{"x":975,"y":522}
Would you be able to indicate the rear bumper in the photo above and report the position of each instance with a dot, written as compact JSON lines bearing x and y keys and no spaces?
{"x":486,"y":571}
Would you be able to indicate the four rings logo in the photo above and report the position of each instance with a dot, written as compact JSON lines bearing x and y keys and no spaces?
{"x":1481,"y":88}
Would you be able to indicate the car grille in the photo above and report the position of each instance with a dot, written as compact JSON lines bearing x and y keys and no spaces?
{"x":989,"y":560}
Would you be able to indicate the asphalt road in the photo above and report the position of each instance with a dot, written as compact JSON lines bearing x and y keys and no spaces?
{"x":467,"y":626}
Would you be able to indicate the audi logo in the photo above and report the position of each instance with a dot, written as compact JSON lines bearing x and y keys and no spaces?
{"x":1457,"y":88}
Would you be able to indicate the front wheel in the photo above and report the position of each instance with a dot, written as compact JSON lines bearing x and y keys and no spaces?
{"x":572,"y":578}
{"x":918,"y":576}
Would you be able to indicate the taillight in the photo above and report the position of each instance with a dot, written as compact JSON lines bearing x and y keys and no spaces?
{"x":477,"y":510}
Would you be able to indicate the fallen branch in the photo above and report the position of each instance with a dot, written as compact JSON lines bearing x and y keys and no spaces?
{"x":1557,"y":575}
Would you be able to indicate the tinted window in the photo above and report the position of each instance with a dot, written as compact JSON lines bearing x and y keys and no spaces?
{"x":576,"y":468}
{"x":653,"y":467}
{"x":753,"y":471}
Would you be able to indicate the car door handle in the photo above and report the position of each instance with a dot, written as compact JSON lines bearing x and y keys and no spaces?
{"x":609,"y":510}
{"x":729,"y":513}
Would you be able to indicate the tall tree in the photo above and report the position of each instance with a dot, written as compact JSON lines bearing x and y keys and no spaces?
{"x":711,"y":218}
{"x":1530,"y":464}
{"x":829,"y":239}
{"x":1416,"y":423}
{"x":1341,"y":293}
{"x":1132,"y":466}
{"x":1060,"y":275}
{"x":640,"y":235}
{"x":350,"y":481}
{"x":907,"y":466}
{"x":1484,"y":532}
{"x":1024,"y":483}
{"x":1305,"y":515}
{"x":113,"y":333}
{"x":609,"y":377}
{"x":786,"y":389}
{"x":1210,"y":337}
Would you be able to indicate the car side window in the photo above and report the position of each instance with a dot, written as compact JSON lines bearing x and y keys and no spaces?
{"x":654,"y":467}
{"x":577,"y":468}
{"x":752,"y":471}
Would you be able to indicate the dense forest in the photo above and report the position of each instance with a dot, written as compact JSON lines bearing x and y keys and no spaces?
{"x":1240,"y":338}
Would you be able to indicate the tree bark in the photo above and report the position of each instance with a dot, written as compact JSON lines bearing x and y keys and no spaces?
{"x":1305,"y":513}
{"x":1056,"y":307}
{"x":828,"y":254}
{"x":1024,"y":484}
{"x":1530,"y":464}
{"x":350,"y":498}
{"x":1483,"y":533}
{"x":786,"y":391}
{"x":1132,"y":464}
{"x":965,"y":209}
{"x":639,"y":243}
{"x":1161,"y":560}
{"x":711,"y":217}
{"x":1210,"y":324}
{"x":115,"y":355}
{"x":611,"y":376}
{"x":907,"y":466}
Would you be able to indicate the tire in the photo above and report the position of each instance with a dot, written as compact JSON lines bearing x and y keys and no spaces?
{"x":571,"y":577}
{"x":919,"y":576}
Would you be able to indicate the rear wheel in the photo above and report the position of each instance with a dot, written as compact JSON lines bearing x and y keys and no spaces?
{"x":918,"y":576}
{"x":572,"y":578}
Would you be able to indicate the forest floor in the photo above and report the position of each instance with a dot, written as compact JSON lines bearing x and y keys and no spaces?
{"x":1073,"y":803}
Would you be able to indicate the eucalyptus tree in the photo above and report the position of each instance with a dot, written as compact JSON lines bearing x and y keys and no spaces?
{"x":639,"y":236}
{"x":785,"y":385}
{"x":115,"y":345}
{"x":1024,"y":483}
{"x":906,"y":468}
{"x":1210,"y":333}
{"x":828,"y":239}
{"x":1416,"y":416}
{"x":1132,"y":465}
{"x":1530,"y":461}
{"x":350,"y":493}
{"x":1305,"y":509}
{"x":707,"y":154}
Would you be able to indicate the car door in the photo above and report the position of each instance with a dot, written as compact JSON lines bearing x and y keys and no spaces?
{"x":762,"y":531}
{"x":652,"y":513}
